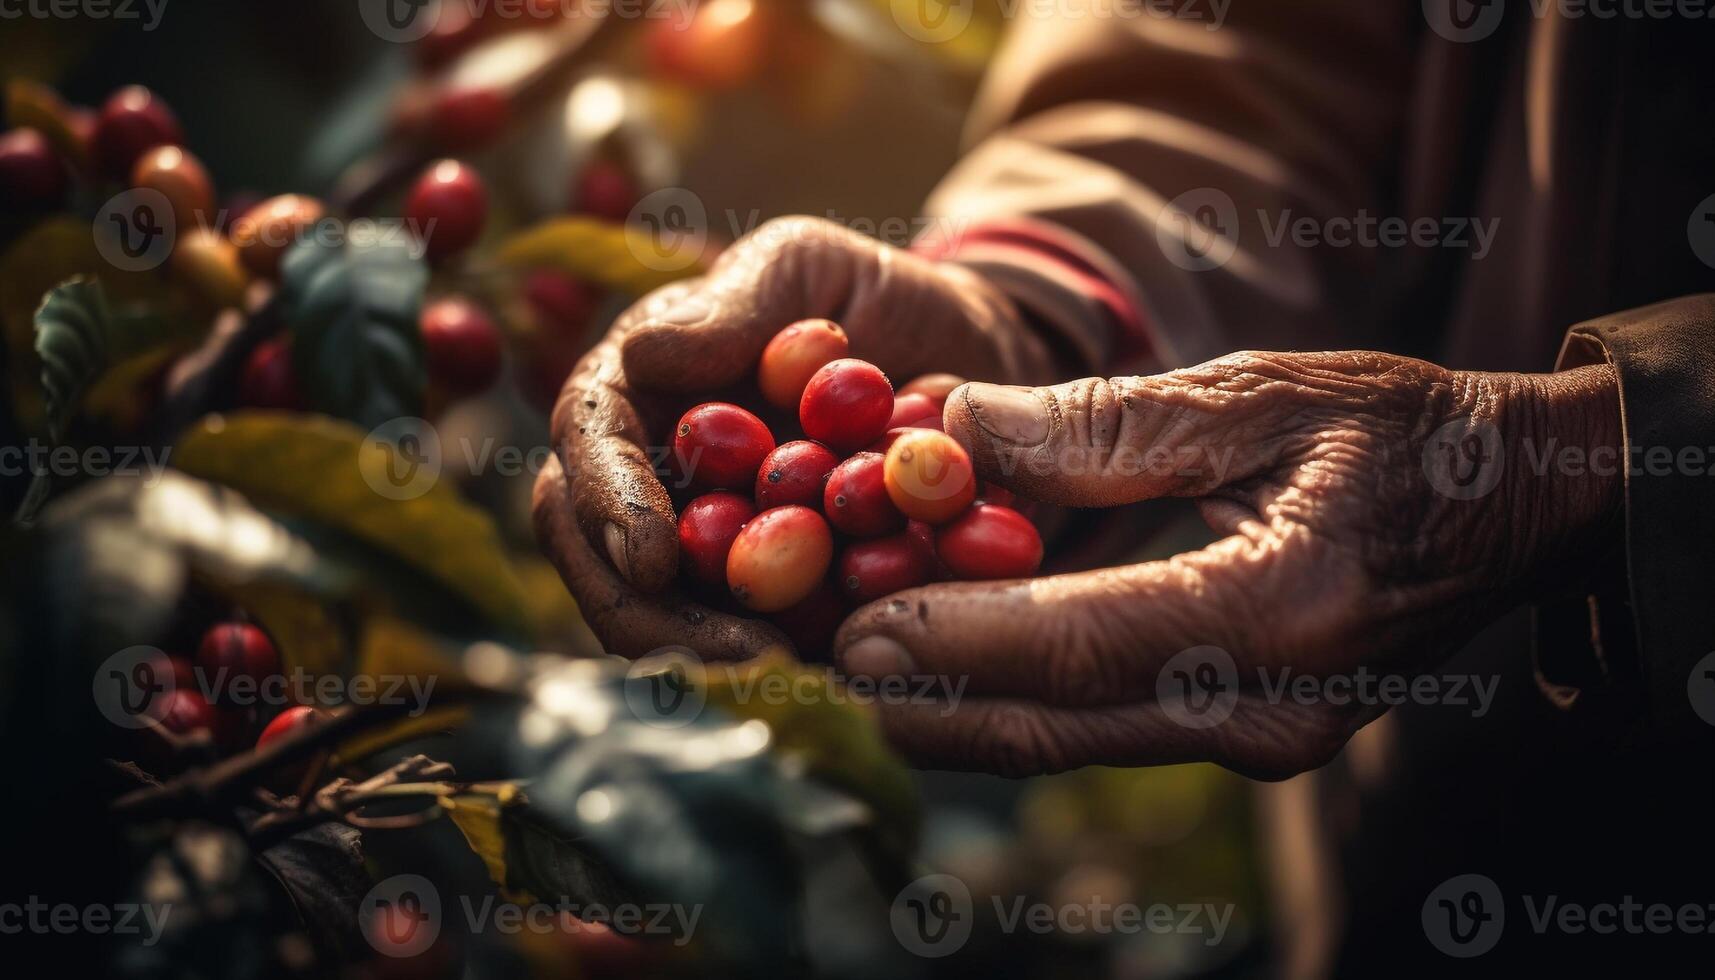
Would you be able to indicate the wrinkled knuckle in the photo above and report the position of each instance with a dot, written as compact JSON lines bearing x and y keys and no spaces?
{"x":1076,"y":671}
{"x":781,"y":236}
{"x":1016,"y":743}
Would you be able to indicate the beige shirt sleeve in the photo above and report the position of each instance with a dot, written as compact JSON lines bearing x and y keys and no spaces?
{"x":1184,"y":145}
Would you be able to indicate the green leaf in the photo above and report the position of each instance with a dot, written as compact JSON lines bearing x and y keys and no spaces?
{"x":624,"y":257}
{"x":313,"y":467}
{"x":610,"y":765}
{"x":353,"y":312}
{"x":78,"y":338}
{"x":829,"y":739}
{"x":74,"y":341}
{"x":525,"y":855}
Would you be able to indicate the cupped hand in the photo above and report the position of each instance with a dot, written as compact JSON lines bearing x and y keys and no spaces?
{"x":1375,"y":511}
{"x":603,"y":514}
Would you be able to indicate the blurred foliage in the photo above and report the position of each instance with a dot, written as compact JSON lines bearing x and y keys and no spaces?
{"x":352,"y":312}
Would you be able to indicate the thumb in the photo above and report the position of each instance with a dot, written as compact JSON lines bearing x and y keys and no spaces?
{"x":1106,"y":442}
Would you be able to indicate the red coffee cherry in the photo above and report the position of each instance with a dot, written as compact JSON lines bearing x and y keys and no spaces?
{"x":32,"y":177}
{"x":132,"y":121}
{"x":922,"y":538}
{"x":240,"y":649}
{"x":294,"y":719}
{"x":779,"y":558}
{"x":186,"y":711}
{"x":869,"y":570}
{"x":447,"y":208}
{"x":794,"y":355}
{"x":721,"y":446}
{"x":936,"y":386}
{"x":604,"y":190}
{"x":717,"y":46}
{"x":988,"y":542}
{"x":268,"y":379}
{"x":460,"y":120}
{"x":846,"y":404}
{"x":915,"y":411}
{"x":856,"y":499}
{"x":562,"y":304}
{"x":812,"y":622}
{"x":929,"y":476}
{"x":461,"y":346}
{"x":707,"y":528}
{"x":886,"y":441}
{"x":297,"y":717}
{"x":795,"y":473}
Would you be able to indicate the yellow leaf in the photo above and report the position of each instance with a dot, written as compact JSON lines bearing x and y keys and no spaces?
{"x":393,"y":647}
{"x":313,"y":466}
{"x":478,"y":817}
{"x":626,"y":257}
{"x":115,"y":398}
{"x":432,"y":722}
{"x":836,"y":741}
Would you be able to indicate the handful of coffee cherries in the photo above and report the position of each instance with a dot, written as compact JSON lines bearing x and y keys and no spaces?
{"x":875,"y":499}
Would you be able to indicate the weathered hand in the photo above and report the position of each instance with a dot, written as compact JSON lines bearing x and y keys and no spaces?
{"x":604,"y":516}
{"x":1377,"y":511}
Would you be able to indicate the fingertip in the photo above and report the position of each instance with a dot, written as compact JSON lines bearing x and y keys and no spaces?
{"x":994,"y":459}
{"x":651,"y":552}
{"x":877,"y":657}
{"x":1012,"y":415}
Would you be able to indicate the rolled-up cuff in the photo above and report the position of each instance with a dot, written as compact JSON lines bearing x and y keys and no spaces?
{"x":1634,"y":645}
{"x":1064,"y":282}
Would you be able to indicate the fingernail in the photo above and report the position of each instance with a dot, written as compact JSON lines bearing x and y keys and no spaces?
{"x":614,"y":536}
{"x":877,"y":656}
{"x":688,"y":312}
{"x":1013,"y":414}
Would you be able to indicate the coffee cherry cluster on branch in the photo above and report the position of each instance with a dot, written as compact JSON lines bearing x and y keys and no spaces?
{"x":216,"y":697}
{"x":874,"y":500}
